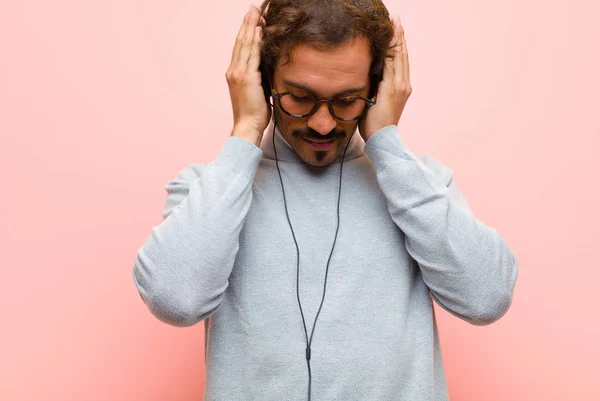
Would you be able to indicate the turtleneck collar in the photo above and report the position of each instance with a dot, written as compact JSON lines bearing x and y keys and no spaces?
{"x":286,"y":153}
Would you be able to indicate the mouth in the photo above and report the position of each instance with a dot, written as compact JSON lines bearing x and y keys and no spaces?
{"x":320,"y":145}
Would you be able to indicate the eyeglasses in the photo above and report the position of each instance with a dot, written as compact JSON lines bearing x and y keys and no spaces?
{"x":347,"y":108}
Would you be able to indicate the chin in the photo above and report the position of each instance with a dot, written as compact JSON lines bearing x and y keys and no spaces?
{"x":315,"y":163}
{"x":310,"y":158}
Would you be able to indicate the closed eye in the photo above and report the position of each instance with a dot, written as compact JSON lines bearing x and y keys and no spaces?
{"x":302,"y":99}
{"x":347,"y":100}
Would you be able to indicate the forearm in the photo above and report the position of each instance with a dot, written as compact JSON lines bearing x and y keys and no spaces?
{"x":468,"y":267}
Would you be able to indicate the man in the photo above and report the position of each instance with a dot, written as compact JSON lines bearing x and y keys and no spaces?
{"x":315,"y":253}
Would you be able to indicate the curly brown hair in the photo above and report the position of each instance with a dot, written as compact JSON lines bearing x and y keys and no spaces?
{"x":324,"y":24}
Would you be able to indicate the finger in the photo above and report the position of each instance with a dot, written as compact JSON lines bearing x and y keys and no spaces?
{"x":398,"y":56}
{"x":405,"y":56}
{"x":388,"y":66}
{"x":239,"y":39}
{"x":263,"y":14}
{"x":397,"y":33}
{"x":246,"y":47}
{"x":254,"y":62}
{"x":264,"y":9}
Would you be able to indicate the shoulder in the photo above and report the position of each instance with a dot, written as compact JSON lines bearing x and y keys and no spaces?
{"x":441,"y":171}
{"x":178,"y":188}
{"x":444,"y":174}
{"x":191,"y":172}
{"x":186,"y":175}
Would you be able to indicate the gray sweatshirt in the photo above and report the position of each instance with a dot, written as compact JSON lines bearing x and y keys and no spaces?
{"x":406,"y":238}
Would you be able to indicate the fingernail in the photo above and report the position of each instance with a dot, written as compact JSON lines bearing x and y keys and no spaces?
{"x":251,"y":7}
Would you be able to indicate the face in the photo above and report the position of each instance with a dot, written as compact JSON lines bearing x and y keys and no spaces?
{"x":319,"y":139}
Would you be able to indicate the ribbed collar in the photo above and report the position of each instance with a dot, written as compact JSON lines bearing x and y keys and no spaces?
{"x":286,"y":153}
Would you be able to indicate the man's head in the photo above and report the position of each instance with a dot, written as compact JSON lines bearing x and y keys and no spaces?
{"x":323,"y":49}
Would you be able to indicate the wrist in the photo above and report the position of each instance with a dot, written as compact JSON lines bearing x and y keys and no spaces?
{"x":248,"y":133}
{"x":372,"y":133}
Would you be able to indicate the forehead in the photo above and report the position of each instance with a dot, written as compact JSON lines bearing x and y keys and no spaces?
{"x":328,"y":71}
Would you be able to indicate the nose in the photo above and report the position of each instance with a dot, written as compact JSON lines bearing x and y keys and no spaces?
{"x":322,"y":121}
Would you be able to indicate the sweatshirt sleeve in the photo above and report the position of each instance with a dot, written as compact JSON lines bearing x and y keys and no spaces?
{"x":466,"y":264}
{"x":183,"y":268}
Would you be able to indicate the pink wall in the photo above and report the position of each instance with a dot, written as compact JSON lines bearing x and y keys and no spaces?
{"x":102,"y":102}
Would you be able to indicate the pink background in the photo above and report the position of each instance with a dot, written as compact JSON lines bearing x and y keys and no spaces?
{"x":103,"y":102}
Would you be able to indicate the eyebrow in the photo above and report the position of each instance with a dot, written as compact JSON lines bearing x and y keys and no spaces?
{"x":342,"y":93}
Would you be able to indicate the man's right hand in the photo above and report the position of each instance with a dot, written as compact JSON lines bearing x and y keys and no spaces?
{"x":251,"y":113}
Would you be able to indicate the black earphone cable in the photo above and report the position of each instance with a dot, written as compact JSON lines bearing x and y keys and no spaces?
{"x":309,"y":339}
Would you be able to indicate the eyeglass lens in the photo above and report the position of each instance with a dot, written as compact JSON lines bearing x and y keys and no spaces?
{"x":346,"y":108}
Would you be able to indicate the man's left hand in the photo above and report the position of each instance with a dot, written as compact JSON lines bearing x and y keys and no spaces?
{"x":393,"y":90}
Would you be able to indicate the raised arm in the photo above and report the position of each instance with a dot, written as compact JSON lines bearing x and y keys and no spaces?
{"x":183,"y":268}
{"x":466,"y":264}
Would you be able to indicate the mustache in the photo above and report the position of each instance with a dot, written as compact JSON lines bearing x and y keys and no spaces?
{"x":309,"y":133}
